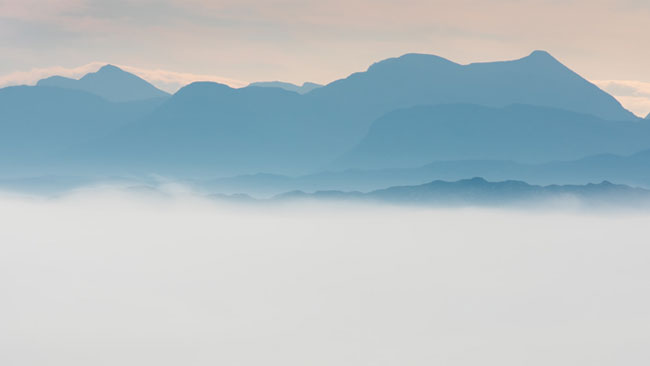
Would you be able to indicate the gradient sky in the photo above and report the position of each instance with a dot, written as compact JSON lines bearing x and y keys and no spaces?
{"x":172,"y":42}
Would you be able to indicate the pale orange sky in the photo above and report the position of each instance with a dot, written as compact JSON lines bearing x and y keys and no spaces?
{"x":320,"y":41}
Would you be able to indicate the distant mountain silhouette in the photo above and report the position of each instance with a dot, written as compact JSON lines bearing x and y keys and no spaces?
{"x":478,"y":191}
{"x":303,"y":89}
{"x":212,"y":128}
{"x":38,"y":122}
{"x":648,"y":116}
{"x":110,"y":83}
{"x":414,"y":136}
{"x":631,"y":170}
{"x":209,"y":129}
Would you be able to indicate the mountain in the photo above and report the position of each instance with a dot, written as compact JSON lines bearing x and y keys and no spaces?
{"x":213,"y":129}
{"x":648,"y":116}
{"x":302,"y":89}
{"x":478,"y":191}
{"x":417,"y":79}
{"x":207,"y":129}
{"x":631,"y":170}
{"x":415,"y":136}
{"x":38,"y":122}
{"x":110,"y":83}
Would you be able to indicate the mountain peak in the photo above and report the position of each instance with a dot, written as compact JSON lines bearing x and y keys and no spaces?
{"x":109,"y":82}
{"x":409,"y":60}
{"x":540,"y":53}
{"x":540,"y":56}
{"x":109,"y":68}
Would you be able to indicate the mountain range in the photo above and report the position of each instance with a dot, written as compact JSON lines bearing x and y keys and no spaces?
{"x":109,"y":82}
{"x":480,"y":192}
{"x":418,"y":135}
{"x":400,"y":113}
{"x":631,"y":170}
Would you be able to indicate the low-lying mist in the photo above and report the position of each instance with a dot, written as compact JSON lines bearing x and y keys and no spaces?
{"x":104,"y":277}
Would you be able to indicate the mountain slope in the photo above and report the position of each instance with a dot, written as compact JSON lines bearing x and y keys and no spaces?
{"x":208,"y":128}
{"x":109,"y":82}
{"x":416,"y":79}
{"x":224,"y":131}
{"x":37,"y":122}
{"x":415,"y":136}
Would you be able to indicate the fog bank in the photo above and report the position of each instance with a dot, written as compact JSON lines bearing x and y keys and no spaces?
{"x":107,"y":278}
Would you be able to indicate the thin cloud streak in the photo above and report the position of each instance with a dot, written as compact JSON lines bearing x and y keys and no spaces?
{"x":167,"y":80}
{"x":633,"y":94}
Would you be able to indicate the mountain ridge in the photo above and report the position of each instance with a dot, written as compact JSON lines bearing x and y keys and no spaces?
{"x":479,"y":192}
{"x":211,"y":129}
{"x":413,"y":136}
{"x":109,"y":82}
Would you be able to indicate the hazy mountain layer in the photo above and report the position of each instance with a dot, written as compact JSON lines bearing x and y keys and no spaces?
{"x":208,"y":129}
{"x":631,"y":170}
{"x":412,"y":137}
{"x":37,"y":123}
{"x":478,"y":191}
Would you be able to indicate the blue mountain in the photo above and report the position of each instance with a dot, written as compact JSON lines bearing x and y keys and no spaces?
{"x":208,"y":129}
{"x":37,"y":123}
{"x":415,"y":136}
{"x":110,"y":83}
{"x":417,"y":79}
{"x":218,"y":130}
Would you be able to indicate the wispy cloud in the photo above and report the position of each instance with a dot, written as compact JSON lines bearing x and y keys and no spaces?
{"x":30,"y":77}
{"x":171,"y":81}
{"x":166,"y":80}
{"x":633,"y":94}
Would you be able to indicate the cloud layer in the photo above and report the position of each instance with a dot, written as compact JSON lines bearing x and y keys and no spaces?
{"x":107,"y":278}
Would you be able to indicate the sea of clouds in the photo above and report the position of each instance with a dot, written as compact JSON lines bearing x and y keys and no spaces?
{"x":107,"y":277}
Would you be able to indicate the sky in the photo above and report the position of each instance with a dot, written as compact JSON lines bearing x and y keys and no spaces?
{"x":173,"y":42}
